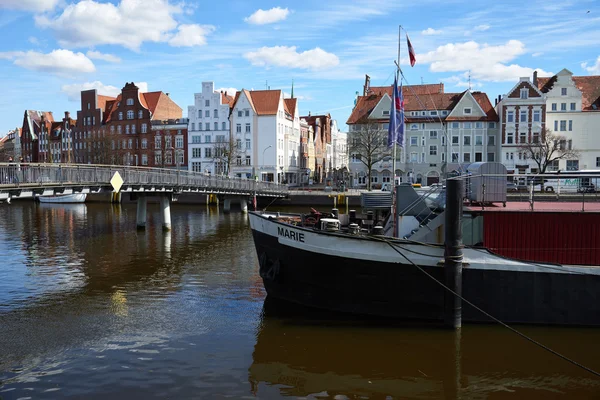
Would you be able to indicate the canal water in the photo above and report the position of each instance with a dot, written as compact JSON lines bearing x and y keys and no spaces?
{"x":91,"y":308}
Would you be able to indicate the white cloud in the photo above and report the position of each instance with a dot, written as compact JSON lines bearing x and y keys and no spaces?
{"x":33,"y":40}
{"x":129,"y":24}
{"x":29,"y":5}
{"x":594,"y":69}
{"x":431,"y":31}
{"x":481,"y":28}
{"x":191,"y":35}
{"x":73,"y":91}
{"x":60,"y":62}
{"x":539,"y":53}
{"x":463,"y":81}
{"x":486,"y":63}
{"x":230,"y":91}
{"x":283,"y":56}
{"x":262,"y":17}
{"x":96,"y":55}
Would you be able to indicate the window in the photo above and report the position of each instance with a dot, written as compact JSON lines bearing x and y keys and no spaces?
{"x":144,"y":159}
{"x":522,"y":137}
{"x":597,"y":161}
{"x":157,"y":142}
{"x":555,"y":126}
{"x":216,"y":113}
{"x":216,"y":126}
{"x":168,"y":142}
{"x":443,"y":140}
{"x":491,"y":157}
{"x":238,"y":160}
{"x":455,"y":140}
{"x":467,"y":125}
{"x":157,"y":159}
{"x":207,"y":139}
{"x":536,"y":116}
{"x":466,"y":140}
{"x":130,"y":114}
{"x":563,"y":106}
{"x":196,"y":152}
{"x":120,"y":116}
{"x":433,"y":150}
{"x":467,"y":157}
{"x":238,"y":144}
{"x":112,"y":130}
{"x":130,"y":144}
{"x":510,"y":116}
{"x":223,"y":126}
{"x":433,"y":134}
{"x":196,"y":166}
{"x":509,"y":137}
{"x":207,"y":126}
{"x":455,"y":125}
{"x":193,"y":126}
{"x":443,"y":157}
{"x":422,"y":140}
{"x":207,"y":113}
{"x":492,"y":125}
{"x":119,"y":129}
{"x":240,"y":113}
{"x":247,"y":144}
{"x":478,"y":125}
{"x":129,"y":102}
{"x":199,"y":126}
{"x":247,"y":128}
{"x":491,"y":140}
{"x":133,"y":129}
{"x":247,"y":113}
{"x":572,"y":165}
{"x":523,"y":116}
{"x":414,"y":157}
{"x":563,"y":91}
{"x":200,"y":114}
{"x":179,"y":142}
{"x":433,"y":113}
{"x":563,"y":125}
{"x":144,"y":128}
{"x":144,"y":143}
{"x":467,"y":111}
{"x":207,"y":152}
{"x":554,"y":107}
{"x":140,"y":114}
{"x":414,"y":141}
{"x":88,"y":106}
{"x":536,"y":137}
{"x":524,"y":93}
{"x":385,"y":113}
{"x":207,"y":104}
{"x":573,"y":106}
{"x":570,"y":125}
{"x":478,"y":140}
{"x":454,"y":157}
{"x":478,"y":157}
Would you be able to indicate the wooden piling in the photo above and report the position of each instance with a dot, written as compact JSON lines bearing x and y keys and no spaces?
{"x":453,"y":252}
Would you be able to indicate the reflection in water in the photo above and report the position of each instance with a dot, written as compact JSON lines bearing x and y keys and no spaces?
{"x":304,"y":352}
{"x":92,"y":307}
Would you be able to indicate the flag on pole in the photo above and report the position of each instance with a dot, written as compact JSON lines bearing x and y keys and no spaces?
{"x":396,"y":126}
{"x":411,"y":52}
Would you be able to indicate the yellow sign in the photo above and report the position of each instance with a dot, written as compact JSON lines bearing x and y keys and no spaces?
{"x":116,"y":182}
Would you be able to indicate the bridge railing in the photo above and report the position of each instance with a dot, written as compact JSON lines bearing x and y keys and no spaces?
{"x":18,"y":175}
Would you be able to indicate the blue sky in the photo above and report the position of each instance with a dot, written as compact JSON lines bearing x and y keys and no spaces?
{"x":52,"y":49}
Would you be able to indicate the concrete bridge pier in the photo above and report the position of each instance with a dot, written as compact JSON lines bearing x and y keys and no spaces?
{"x":165,"y":207}
{"x":244,"y":205}
{"x":141,"y":212}
{"x":227,"y":204}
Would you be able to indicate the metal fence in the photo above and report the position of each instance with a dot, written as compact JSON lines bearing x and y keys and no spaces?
{"x":13,"y":175}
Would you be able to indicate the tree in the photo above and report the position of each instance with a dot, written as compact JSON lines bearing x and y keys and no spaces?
{"x":369,"y":145}
{"x":547,"y":149}
{"x":225,"y":152}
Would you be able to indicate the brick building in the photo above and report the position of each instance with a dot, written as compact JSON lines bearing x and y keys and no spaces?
{"x":34,"y":135}
{"x":122,"y":130}
{"x":321,"y":127}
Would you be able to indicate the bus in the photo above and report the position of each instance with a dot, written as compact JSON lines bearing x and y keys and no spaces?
{"x":580,"y":181}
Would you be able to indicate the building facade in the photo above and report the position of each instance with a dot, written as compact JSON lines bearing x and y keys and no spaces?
{"x":10,"y":145}
{"x":573,"y":111}
{"x":321,"y":127}
{"x":35,"y":134}
{"x":339,"y":157}
{"x":444,"y":133}
{"x":267,"y":128}
{"x":208,"y":124}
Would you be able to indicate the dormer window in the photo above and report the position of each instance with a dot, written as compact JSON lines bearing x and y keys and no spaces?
{"x":467,"y":111}
{"x":129,"y":102}
{"x":386,"y":112}
{"x":524,"y":93}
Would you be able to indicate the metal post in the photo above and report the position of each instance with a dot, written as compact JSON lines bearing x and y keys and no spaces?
{"x":453,"y":255}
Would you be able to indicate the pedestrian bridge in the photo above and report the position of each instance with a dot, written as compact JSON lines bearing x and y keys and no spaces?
{"x":30,"y":180}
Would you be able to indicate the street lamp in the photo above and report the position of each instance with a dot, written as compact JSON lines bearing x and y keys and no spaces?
{"x":263,"y":157}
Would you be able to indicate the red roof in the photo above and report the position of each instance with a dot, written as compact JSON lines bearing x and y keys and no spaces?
{"x":588,"y":85}
{"x":102,"y":101}
{"x":289,"y":105}
{"x":227,"y":99}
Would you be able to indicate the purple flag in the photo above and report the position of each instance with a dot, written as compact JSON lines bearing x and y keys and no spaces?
{"x":396,"y":128}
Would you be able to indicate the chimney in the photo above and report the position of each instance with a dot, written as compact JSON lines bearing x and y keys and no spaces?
{"x":499,"y":98}
{"x":167,"y":94}
{"x":367,"y":85}
{"x":67,"y":115}
{"x":495,"y":102}
{"x":535,"y":78}
{"x":309,"y":113}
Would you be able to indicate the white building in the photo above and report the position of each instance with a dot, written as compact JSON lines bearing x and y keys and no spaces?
{"x":267,"y":129}
{"x":208,"y":123}
{"x":573,"y":111}
{"x":444,"y":133}
{"x":339,"y":148}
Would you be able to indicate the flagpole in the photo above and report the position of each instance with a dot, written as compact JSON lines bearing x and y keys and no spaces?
{"x":393,"y":185}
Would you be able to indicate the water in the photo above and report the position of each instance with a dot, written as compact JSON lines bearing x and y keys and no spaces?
{"x":92,"y":308}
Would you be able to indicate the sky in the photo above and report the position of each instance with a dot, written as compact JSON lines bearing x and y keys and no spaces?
{"x":52,"y":49}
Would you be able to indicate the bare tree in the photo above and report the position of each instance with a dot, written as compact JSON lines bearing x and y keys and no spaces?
{"x":226,"y":152}
{"x":547,"y":149}
{"x":106,"y":149}
{"x":369,"y":145}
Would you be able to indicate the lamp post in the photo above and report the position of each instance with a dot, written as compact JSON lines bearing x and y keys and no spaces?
{"x":263,"y":157}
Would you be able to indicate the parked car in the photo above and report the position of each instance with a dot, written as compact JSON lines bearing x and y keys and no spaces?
{"x":511,"y":187}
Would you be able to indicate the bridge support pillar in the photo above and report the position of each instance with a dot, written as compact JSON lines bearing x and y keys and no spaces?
{"x":165,"y":207}
{"x":141,"y":212}
{"x":244,"y":205}
{"x":227,"y":204}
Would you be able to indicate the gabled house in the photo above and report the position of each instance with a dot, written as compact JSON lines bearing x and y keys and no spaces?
{"x":35,"y":134}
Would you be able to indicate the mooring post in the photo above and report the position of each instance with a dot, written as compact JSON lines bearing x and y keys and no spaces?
{"x":141,"y":212}
{"x":244,"y":205}
{"x":453,"y":252}
{"x":227,"y":204}
{"x":165,"y":206}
